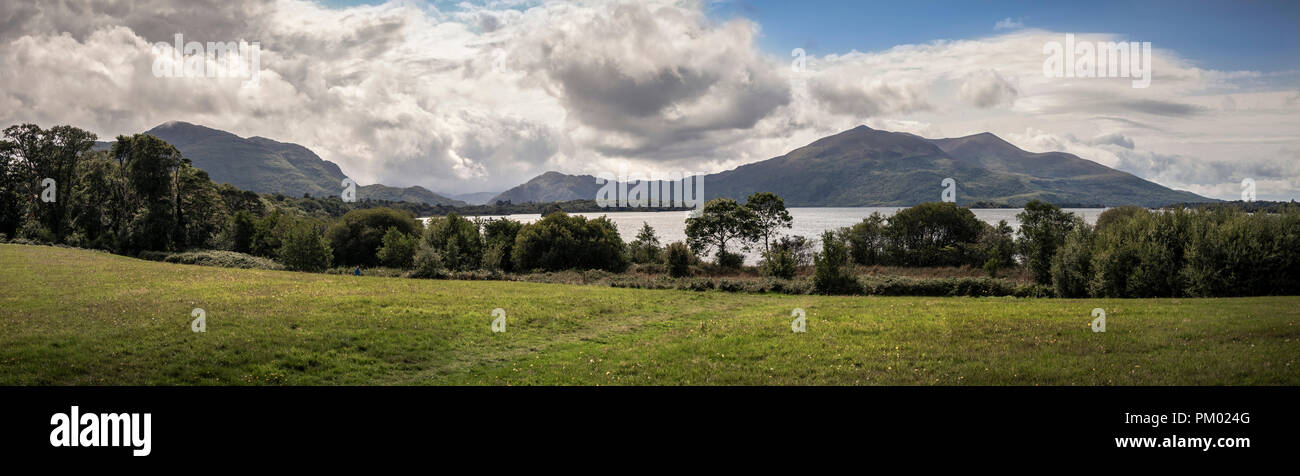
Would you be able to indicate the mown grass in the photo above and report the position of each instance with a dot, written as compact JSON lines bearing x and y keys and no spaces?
{"x":75,"y":317}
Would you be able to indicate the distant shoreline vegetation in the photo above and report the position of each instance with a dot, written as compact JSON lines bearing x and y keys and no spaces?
{"x":143,"y":198}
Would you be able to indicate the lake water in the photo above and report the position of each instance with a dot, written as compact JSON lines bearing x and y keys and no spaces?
{"x":808,"y":222}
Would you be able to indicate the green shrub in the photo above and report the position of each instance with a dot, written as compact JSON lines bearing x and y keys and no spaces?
{"x":398,"y":249}
{"x":934,"y":234}
{"x":679,"y":259}
{"x":240,"y":231}
{"x":428,"y":263}
{"x":800,"y":247}
{"x":457,"y":240}
{"x":1043,"y":228}
{"x":997,"y":248}
{"x":779,"y":263}
{"x":561,"y":241}
{"x":645,"y":249}
{"x":305,"y":249}
{"x":219,"y":258}
{"x":908,"y":286}
{"x":499,"y":242}
{"x":730,"y":261}
{"x":1236,"y":254}
{"x":1114,"y":215}
{"x":830,"y":274}
{"x":496,"y":257}
{"x":1143,"y":255}
{"x":1033,"y":290}
{"x":867,"y":240}
{"x":358,"y":235}
{"x":1072,"y":265}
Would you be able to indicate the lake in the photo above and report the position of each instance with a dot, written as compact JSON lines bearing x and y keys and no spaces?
{"x":809,"y":222}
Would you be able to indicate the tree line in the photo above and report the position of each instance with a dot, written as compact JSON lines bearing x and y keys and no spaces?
{"x":142,"y":195}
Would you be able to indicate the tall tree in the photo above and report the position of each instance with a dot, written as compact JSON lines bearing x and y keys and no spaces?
{"x":149,"y":165}
{"x":720,"y":222}
{"x":770,"y":215}
{"x":94,"y":200}
{"x":31,"y":155}
{"x":1043,"y":228}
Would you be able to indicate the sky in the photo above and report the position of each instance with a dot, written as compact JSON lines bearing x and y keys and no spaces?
{"x":480,"y":96}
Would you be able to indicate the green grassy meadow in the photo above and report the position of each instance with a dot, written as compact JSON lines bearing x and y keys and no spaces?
{"x":76,"y":317}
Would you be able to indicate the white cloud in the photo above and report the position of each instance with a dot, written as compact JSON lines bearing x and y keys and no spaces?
{"x":406,"y":94}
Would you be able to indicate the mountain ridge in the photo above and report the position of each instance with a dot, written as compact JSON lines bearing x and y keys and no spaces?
{"x":869,"y":167}
{"x":264,"y":165}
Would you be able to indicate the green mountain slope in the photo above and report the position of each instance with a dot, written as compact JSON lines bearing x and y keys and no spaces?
{"x":268,"y":166}
{"x":868,"y":167}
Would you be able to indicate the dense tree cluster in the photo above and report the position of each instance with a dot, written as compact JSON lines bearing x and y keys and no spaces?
{"x":1172,"y":253}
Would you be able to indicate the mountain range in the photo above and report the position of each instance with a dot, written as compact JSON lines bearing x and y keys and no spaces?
{"x":867,"y":167}
{"x":266,"y":166}
{"x":855,"y":168}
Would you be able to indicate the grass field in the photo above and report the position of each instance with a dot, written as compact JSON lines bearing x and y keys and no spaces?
{"x":75,"y":317}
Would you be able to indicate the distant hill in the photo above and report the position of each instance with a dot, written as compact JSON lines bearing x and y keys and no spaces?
{"x":475,"y":198}
{"x":416,"y":194}
{"x":552,"y":187}
{"x":1060,"y":177}
{"x":266,"y":166}
{"x":868,"y":167}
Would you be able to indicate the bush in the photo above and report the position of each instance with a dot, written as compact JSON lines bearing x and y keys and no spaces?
{"x":867,"y":240}
{"x":398,"y":249}
{"x":428,"y":263}
{"x":801,"y":248}
{"x":561,"y":241}
{"x":304,"y":249}
{"x":36,"y":233}
{"x":240,"y":231}
{"x":779,"y":263}
{"x":1043,"y":228}
{"x":933,"y":234}
{"x":830,"y":275}
{"x":357,"y":236}
{"x":1236,"y":254}
{"x":997,"y":248}
{"x":457,"y":240}
{"x":730,"y":261}
{"x":219,"y":258}
{"x":645,"y":249}
{"x":908,"y":286}
{"x":1072,"y":265}
{"x":497,"y":257}
{"x":499,"y":242}
{"x":1142,"y":256}
{"x":1115,"y":215}
{"x":1033,"y":290}
{"x":679,"y":258}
